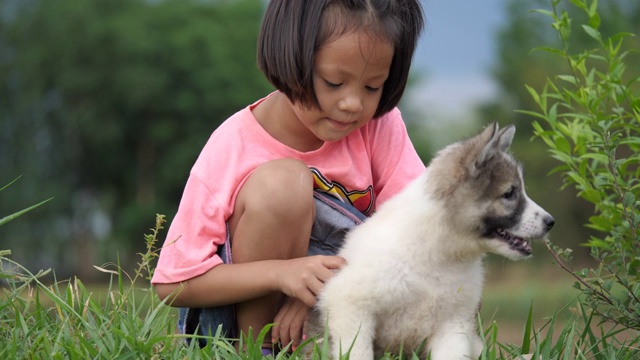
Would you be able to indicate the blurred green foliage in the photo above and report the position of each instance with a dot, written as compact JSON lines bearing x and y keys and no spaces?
{"x":105,"y":105}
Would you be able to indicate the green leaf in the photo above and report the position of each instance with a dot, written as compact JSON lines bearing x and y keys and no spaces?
{"x":592,"y":32}
{"x":594,"y":20}
{"x":563,"y":145}
{"x":568,"y":78}
{"x":549,"y":50}
{"x":591,"y":195}
{"x":631,"y":140}
{"x":534,"y":94}
{"x":601,"y":158}
{"x":598,"y":243}
{"x":629,"y":199}
{"x":599,"y":223}
{"x":594,"y":17}
{"x":580,"y":4}
{"x":532,"y":113}
{"x":543,"y":12}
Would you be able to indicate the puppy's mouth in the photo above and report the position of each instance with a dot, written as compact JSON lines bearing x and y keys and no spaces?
{"x":516,"y":243}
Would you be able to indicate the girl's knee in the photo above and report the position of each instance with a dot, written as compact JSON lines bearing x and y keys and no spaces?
{"x":274,"y":212}
{"x":285,"y":184}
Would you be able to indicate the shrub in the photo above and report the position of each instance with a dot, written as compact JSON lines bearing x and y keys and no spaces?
{"x":590,"y":120}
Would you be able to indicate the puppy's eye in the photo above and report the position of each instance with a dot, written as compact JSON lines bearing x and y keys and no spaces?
{"x":511,"y":194}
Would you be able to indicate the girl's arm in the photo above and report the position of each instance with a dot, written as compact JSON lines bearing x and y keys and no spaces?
{"x":302,"y":278}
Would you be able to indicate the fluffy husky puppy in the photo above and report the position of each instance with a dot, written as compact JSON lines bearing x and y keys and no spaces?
{"x":415,"y":267}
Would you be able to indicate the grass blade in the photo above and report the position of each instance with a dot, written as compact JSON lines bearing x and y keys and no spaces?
{"x":526,"y":338}
{"x":8,"y":218}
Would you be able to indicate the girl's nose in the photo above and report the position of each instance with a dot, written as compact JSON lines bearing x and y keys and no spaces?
{"x":351,"y":103}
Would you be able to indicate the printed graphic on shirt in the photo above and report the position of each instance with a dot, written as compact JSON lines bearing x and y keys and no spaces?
{"x":360,"y":199}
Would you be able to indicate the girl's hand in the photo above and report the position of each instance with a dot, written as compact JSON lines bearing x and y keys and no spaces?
{"x":303,"y":278}
{"x":289,"y":323}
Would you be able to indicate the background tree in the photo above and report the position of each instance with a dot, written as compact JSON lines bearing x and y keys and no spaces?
{"x":105,"y":105}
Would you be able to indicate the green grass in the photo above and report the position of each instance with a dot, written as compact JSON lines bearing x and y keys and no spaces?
{"x":124,"y":319}
{"x":513,"y":288}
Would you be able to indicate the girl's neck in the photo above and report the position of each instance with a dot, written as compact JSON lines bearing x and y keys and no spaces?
{"x":276,"y":116}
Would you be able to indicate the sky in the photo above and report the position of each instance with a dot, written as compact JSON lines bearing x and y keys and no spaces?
{"x":455,"y":54}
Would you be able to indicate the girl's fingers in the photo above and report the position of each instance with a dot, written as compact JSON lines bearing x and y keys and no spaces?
{"x":334,"y":262}
{"x":316,"y":285}
{"x":306,"y":277}
{"x":289,"y":323}
{"x":277,"y":321}
{"x":308,"y":298}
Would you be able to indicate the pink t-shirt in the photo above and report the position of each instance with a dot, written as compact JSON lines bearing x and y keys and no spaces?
{"x":365,"y":169}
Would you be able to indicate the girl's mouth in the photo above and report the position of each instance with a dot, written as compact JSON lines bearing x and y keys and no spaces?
{"x":338,"y":124}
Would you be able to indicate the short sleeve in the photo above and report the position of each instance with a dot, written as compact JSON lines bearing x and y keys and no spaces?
{"x":194,"y":236}
{"x":394,"y":160}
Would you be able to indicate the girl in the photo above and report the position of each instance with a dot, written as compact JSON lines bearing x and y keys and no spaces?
{"x":278,"y":184}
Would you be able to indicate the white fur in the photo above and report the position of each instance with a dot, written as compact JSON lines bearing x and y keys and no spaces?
{"x":425,"y":283}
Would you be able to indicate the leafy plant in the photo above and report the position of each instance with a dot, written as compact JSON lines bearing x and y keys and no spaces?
{"x":590,"y":120}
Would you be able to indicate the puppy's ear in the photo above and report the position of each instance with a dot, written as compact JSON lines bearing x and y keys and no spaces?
{"x":494,"y":140}
{"x":505,"y":137}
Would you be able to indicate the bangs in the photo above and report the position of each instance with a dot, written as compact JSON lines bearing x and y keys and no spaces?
{"x":340,"y":18}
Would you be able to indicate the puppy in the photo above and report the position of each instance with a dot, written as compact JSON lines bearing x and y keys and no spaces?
{"x":415,"y":270}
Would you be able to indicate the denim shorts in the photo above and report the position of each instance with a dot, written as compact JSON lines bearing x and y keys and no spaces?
{"x":333,"y":219}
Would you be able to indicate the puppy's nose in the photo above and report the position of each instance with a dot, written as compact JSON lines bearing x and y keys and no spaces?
{"x":549,"y":221}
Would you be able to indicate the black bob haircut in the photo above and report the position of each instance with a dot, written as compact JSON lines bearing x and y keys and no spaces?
{"x":293,"y":30}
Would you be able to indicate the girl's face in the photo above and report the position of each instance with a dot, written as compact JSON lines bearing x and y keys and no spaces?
{"x":348,"y":77}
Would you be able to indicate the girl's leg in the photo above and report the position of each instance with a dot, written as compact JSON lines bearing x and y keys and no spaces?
{"x":272,"y":219}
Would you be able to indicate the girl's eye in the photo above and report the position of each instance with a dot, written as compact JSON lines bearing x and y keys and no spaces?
{"x":331,"y":85}
{"x":372,"y":89}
